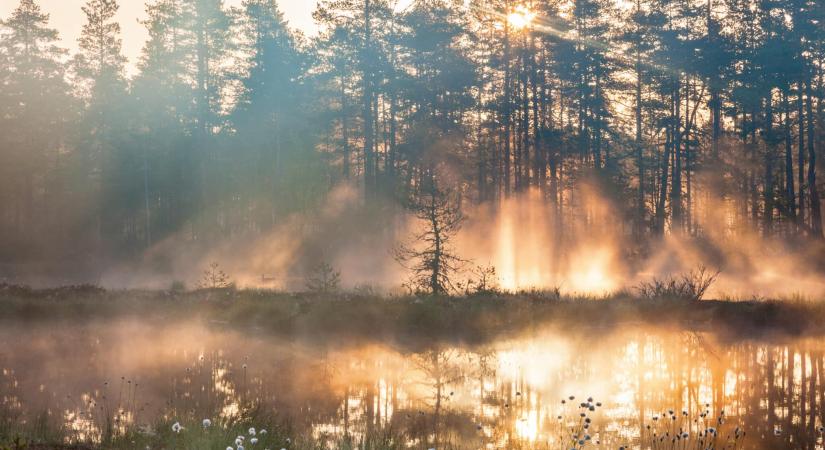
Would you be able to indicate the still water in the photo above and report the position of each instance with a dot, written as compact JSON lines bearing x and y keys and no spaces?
{"x":505,"y":394}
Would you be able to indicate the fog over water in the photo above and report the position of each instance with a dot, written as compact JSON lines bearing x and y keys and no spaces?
{"x":498,"y":395}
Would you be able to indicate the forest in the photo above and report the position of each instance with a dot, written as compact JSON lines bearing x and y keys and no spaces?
{"x":642,"y":119}
{"x":421,"y":224}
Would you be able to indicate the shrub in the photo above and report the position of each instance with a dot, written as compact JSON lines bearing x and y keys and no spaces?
{"x":690,"y":286}
{"x":485,"y":281}
{"x":323,"y":279}
{"x":214,"y":278}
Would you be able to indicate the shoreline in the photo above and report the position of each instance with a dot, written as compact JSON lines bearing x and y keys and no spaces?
{"x":412,"y":321}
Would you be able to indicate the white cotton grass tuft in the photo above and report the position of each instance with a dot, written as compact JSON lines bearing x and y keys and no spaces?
{"x":176,"y":427}
{"x":252,"y":431}
{"x":238,"y":441}
{"x":253,"y":441}
{"x":207,"y":423}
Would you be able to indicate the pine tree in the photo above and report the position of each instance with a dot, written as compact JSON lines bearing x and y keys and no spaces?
{"x":100,"y":58}
{"x":100,"y":68}
{"x":273,"y":117}
{"x":34,"y":107}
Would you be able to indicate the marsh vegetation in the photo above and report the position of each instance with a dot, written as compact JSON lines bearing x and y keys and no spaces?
{"x":100,"y":369}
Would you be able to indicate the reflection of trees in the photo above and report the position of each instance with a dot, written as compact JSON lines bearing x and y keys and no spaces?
{"x":439,"y":396}
{"x":441,"y":369}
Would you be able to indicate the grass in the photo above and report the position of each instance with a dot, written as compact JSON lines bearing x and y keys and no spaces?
{"x":579,"y":426}
{"x":191,"y":434}
{"x":410,"y":320}
{"x":413,"y":321}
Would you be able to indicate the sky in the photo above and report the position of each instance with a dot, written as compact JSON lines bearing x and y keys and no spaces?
{"x":67,"y":17}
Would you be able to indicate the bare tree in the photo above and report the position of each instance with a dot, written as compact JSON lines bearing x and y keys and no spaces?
{"x":431,"y":257}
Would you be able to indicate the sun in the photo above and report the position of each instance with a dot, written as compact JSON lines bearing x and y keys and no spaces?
{"x":521,"y":18}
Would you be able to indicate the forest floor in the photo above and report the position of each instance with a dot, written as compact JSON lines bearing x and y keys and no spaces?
{"x":414,"y":321}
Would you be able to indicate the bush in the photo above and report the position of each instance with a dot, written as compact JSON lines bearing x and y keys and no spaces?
{"x":690,"y":286}
{"x":215,"y":278}
{"x":485,"y":281}
{"x":324,"y":279}
{"x":177,"y":286}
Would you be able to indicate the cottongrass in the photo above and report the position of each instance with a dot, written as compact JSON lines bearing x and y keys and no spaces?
{"x":682,"y":431}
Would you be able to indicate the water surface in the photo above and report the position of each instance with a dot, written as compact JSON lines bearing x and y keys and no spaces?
{"x":505,"y":394}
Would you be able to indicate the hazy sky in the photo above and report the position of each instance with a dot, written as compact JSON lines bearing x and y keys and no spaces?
{"x":67,"y":17}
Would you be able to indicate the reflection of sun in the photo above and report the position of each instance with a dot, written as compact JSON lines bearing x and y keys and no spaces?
{"x":521,"y":17}
{"x":527,"y":427}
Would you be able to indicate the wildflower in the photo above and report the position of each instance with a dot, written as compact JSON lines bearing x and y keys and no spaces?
{"x":252,"y":431}
{"x":207,"y":423}
{"x":253,"y":441}
{"x":176,"y":427}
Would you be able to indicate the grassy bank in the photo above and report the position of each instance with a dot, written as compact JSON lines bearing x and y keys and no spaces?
{"x":414,"y":321}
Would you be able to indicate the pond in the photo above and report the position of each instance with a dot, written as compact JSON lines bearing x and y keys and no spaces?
{"x":631,"y":386}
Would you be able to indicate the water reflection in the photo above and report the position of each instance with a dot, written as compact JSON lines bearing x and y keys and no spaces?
{"x":97,"y":380}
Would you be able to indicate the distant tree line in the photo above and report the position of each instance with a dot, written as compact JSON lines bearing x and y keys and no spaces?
{"x":233,"y":122}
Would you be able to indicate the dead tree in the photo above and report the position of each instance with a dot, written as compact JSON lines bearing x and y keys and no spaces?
{"x":430,"y":257}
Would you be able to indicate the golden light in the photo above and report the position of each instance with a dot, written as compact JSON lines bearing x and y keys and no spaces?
{"x":521,"y":18}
